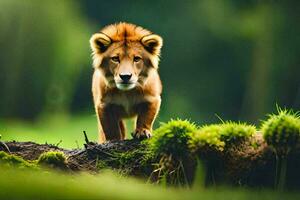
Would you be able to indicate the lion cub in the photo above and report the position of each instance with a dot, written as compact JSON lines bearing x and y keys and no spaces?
{"x":125,"y":80}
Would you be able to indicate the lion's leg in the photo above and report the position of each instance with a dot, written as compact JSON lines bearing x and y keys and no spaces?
{"x":101,"y":135}
{"x":109,"y":119}
{"x":123,"y":129}
{"x":146,"y":115}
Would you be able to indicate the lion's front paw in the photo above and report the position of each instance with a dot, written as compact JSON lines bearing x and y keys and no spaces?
{"x":141,"y":134}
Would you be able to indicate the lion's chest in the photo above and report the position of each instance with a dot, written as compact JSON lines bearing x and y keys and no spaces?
{"x":126,"y":102}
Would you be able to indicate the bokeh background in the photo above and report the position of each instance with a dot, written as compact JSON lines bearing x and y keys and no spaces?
{"x":233,"y":60}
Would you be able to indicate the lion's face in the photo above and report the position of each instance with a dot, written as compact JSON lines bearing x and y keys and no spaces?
{"x":125,"y":66}
{"x":125,"y":54}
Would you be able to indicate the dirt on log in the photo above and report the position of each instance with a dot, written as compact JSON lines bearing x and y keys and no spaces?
{"x":249,"y":162}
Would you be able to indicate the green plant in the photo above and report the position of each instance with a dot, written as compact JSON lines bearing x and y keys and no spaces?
{"x":54,"y":159}
{"x":172,"y":138}
{"x":219,"y":135}
{"x":127,"y":162}
{"x":282,"y":132}
{"x":15,"y":161}
{"x":169,"y":145}
{"x":142,"y":155}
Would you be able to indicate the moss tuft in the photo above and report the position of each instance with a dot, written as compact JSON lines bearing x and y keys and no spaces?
{"x":219,"y":135}
{"x":127,"y":162}
{"x":169,"y":147}
{"x":208,"y":135}
{"x":54,"y":159}
{"x":8,"y":160}
{"x":282,"y":130}
{"x":143,"y":156}
{"x":172,"y":138}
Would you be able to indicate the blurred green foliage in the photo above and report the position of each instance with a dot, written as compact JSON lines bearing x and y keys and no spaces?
{"x":43,"y":50}
{"x":61,"y":131}
{"x":53,"y":185}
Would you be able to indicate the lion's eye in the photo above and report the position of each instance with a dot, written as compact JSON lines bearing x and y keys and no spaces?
{"x":136,"y":58}
{"x":115,"y":59}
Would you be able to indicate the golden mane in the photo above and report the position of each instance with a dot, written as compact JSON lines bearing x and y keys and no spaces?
{"x":125,"y":31}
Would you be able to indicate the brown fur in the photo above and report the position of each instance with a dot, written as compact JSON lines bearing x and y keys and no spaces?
{"x":123,"y":49}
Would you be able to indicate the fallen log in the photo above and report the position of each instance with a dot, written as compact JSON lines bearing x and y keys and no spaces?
{"x":250,"y":162}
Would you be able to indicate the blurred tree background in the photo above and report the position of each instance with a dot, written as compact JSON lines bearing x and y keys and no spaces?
{"x":236,"y":59}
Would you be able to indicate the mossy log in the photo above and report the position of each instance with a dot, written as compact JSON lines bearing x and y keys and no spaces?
{"x":77,"y":159}
{"x":248,"y":162}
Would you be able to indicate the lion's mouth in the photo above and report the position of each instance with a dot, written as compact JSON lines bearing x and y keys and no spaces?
{"x":125,"y":85}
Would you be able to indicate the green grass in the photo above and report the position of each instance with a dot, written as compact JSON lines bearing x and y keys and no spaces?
{"x":55,"y":185}
{"x":63,"y":130}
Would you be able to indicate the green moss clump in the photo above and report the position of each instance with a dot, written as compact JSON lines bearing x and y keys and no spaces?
{"x":172,"y":138}
{"x":129,"y":162}
{"x":169,"y":148}
{"x":208,"y":135}
{"x":54,"y":159}
{"x":100,"y":164}
{"x":142,"y":156}
{"x":282,"y":130}
{"x":219,"y":135}
{"x":232,"y":131}
{"x":8,"y":160}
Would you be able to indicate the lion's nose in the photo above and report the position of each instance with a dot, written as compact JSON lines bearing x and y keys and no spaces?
{"x":125,"y":77}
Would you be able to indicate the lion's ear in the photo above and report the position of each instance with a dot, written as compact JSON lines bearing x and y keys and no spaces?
{"x":152,"y":43}
{"x":100,"y":42}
